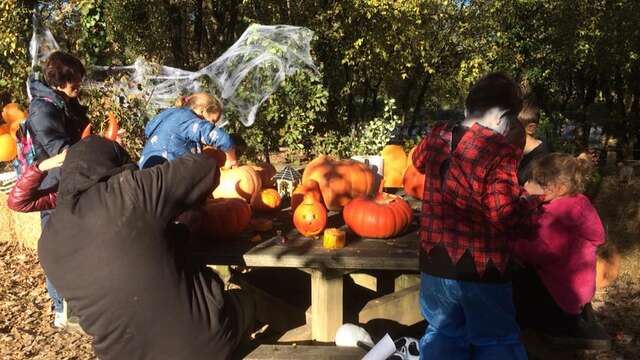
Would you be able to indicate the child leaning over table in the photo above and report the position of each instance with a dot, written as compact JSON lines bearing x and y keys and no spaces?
{"x":555,"y":296}
{"x":471,"y":207}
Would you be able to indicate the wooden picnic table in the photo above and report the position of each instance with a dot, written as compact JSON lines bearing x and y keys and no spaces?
{"x":326,"y":267}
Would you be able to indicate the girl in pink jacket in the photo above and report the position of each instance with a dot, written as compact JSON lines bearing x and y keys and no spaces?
{"x":564,"y":252}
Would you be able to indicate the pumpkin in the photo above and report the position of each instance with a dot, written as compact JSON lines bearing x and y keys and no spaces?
{"x":310,"y":187}
{"x":607,"y":270}
{"x":266,"y":172}
{"x":268,"y":200}
{"x":310,"y":218}
{"x":413,"y":182}
{"x":395,"y":161}
{"x":4,"y":129}
{"x":333,"y":239}
{"x":226,"y":218}
{"x":242,"y":182}
{"x":410,"y":156}
{"x":8,"y":149}
{"x":11,"y":113}
{"x":220,"y":156}
{"x":86,"y":132}
{"x":260,"y":224}
{"x":382,"y":216}
{"x":112,"y":129}
{"x":340,"y":181}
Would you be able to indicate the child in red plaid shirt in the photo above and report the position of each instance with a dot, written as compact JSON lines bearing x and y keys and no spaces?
{"x":472,"y":207}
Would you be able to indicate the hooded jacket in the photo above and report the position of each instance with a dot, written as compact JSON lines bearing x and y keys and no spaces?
{"x":110,"y":251}
{"x":53,"y":124}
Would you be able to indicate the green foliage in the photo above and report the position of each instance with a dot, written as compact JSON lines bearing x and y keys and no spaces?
{"x":370,"y":138}
{"x":14,"y":61}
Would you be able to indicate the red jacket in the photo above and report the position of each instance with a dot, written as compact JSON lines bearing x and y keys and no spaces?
{"x":25,"y":195}
{"x":472,"y":203}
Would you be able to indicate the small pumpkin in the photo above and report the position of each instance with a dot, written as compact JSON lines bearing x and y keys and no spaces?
{"x":268,"y":200}
{"x":260,"y":224}
{"x":242,"y":182}
{"x":395,"y":161}
{"x":266,"y":172}
{"x":12,"y":113}
{"x":340,"y":181}
{"x":310,"y":218}
{"x":410,"y":156}
{"x":226,"y":218}
{"x":310,"y":187}
{"x":607,"y":270}
{"x":413,"y":181}
{"x":333,"y":239}
{"x":382,"y":216}
{"x":8,"y":149}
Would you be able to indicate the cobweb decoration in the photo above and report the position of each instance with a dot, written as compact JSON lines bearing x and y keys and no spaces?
{"x":243,"y":77}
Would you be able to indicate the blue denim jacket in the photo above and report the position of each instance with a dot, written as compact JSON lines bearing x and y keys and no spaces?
{"x":179,"y":131}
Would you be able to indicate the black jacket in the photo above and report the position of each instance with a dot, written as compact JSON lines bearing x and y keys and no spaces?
{"x":110,"y":251}
{"x":53,"y":124}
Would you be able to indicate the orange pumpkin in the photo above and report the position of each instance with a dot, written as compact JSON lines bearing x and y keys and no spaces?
{"x":226,"y":218}
{"x":266,"y":172}
{"x":12,"y":113}
{"x":242,"y":182}
{"x":268,"y":200}
{"x":220,"y":156}
{"x":333,"y":239}
{"x":4,"y":129}
{"x":383,"y":216}
{"x":310,"y":187}
{"x":607,"y":270}
{"x":340,"y":181}
{"x":8,"y":149}
{"x":395,"y":161}
{"x":413,"y":182}
{"x":310,"y":218}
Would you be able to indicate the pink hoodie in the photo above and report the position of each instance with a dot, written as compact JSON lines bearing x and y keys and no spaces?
{"x":564,"y":253}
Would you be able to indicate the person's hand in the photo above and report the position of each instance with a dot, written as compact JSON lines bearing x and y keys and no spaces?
{"x":533,"y":188}
{"x":52,"y":162}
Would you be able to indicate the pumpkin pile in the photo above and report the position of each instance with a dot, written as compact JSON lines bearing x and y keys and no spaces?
{"x":12,"y":116}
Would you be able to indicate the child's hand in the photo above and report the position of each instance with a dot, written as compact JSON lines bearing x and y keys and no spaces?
{"x":52,"y":162}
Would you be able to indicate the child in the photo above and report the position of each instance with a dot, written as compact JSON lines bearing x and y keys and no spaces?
{"x":529,"y":117}
{"x":563,"y":255}
{"x":180,"y":130}
{"x":472,"y":205}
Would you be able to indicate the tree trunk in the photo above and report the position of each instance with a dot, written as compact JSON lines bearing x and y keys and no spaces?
{"x":198,"y":26}
{"x":419,"y":103}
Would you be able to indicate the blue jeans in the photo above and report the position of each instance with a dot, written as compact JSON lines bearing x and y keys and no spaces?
{"x":53,"y":293}
{"x":468,"y":320}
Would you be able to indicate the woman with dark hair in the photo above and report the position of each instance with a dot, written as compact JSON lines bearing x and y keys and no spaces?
{"x":56,"y":120}
{"x":534,"y":148}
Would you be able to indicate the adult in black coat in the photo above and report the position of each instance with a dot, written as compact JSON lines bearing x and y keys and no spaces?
{"x":111,"y":250}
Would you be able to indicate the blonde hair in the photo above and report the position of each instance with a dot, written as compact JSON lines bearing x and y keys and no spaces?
{"x":557,"y":168}
{"x":209,"y":103}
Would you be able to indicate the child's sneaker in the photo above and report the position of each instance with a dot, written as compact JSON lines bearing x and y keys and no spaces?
{"x":581,"y":332}
{"x":59,"y":319}
{"x":407,"y":349}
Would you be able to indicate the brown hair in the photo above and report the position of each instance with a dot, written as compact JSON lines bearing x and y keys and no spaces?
{"x":530,"y":113}
{"x":563,"y":169}
{"x":210,"y":103}
{"x":495,"y":90}
{"x":516,"y":135}
{"x":62,"y":68}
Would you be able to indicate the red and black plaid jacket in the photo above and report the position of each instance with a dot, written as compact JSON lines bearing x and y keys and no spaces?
{"x":472,"y":204}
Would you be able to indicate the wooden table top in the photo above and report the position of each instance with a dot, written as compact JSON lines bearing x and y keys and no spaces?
{"x":400,"y":253}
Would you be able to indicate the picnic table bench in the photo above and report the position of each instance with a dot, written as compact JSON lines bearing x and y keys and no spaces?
{"x":326,"y":267}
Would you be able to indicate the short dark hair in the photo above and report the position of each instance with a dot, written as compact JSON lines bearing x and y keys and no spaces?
{"x":530,"y":113}
{"x":491,"y":91}
{"x":61,"y":68}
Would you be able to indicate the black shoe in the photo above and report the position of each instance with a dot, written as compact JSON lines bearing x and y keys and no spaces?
{"x":582,"y":332}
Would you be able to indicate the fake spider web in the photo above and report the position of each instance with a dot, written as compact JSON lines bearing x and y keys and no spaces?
{"x":243,"y":77}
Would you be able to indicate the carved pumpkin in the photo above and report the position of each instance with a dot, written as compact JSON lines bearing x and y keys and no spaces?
{"x":310,"y":218}
{"x":310,"y":187}
{"x":413,"y":182}
{"x":220,"y":156}
{"x":607,"y":270}
{"x":383,"y":216}
{"x":395,"y":161}
{"x":333,"y":239}
{"x":340,"y":181}
{"x":12,"y":113}
{"x":268,"y":200}
{"x":8,"y":149}
{"x":242,"y":182}
{"x":266,"y":172}
{"x":226,"y":218}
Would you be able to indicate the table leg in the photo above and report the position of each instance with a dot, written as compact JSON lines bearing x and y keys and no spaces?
{"x":326,"y":304}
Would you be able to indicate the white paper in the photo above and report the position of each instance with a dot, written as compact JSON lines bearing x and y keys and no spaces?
{"x":382,"y":350}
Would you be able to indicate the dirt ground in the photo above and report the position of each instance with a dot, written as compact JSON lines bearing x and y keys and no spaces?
{"x":26,"y":317}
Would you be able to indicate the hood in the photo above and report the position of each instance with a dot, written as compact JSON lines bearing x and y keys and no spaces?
{"x":152,"y":125}
{"x":88,"y":162}
{"x":40,"y":90}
